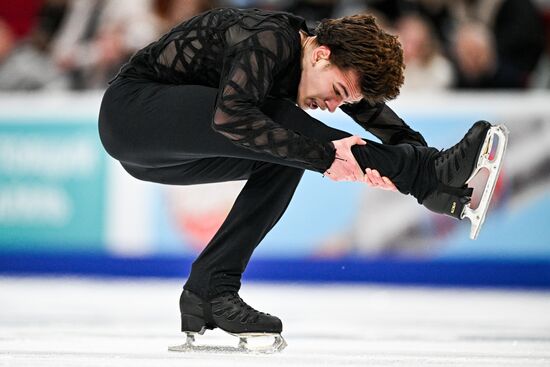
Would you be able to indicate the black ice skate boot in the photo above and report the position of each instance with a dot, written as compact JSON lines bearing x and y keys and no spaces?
{"x":231,"y":314}
{"x":456,"y":166}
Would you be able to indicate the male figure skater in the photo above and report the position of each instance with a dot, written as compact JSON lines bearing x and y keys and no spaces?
{"x":221,"y":97}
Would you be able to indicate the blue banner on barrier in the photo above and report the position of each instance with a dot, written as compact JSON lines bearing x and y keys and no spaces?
{"x":66,"y":207}
{"x":52,"y":186}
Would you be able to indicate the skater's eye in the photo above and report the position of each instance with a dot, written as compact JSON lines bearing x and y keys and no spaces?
{"x":341,"y":91}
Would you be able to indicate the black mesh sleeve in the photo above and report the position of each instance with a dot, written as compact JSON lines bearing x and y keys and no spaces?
{"x":382,"y":122}
{"x":247,"y":77}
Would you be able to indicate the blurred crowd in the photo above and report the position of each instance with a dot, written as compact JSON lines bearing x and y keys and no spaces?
{"x":448,"y":44}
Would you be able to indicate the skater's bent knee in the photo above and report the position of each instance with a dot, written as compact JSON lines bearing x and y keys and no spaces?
{"x":141,"y":173}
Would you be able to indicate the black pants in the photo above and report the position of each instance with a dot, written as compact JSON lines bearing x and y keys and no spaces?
{"x":162,"y":133}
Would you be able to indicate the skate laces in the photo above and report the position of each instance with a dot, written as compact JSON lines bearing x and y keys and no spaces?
{"x":447,"y":154}
{"x":460,"y":147}
{"x":246,"y":312}
{"x":449,"y":160}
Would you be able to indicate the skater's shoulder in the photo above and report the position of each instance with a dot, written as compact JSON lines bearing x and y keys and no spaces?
{"x":259,"y":27}
{"x":252,"y":18}
{"x":276,"y":34}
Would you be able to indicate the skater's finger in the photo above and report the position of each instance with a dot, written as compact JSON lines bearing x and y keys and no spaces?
{"x":377,"y":178}
{"x":381,"y":181}
{"x":368,"y":177}
{"x":389,"y":184}
{"x":357,"y":140}
{"x":374,"y":178}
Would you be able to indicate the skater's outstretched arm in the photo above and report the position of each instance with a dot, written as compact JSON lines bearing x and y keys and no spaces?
{"x":381,"y":121}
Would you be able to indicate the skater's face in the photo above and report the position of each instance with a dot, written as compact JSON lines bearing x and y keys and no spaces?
{"x":323,"y":85}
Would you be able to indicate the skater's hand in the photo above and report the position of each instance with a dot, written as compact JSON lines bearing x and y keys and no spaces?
{"x":345,"y":167}
{"x":374,"y":179}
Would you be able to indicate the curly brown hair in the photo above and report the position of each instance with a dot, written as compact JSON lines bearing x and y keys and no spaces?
{"x":357,"y":42}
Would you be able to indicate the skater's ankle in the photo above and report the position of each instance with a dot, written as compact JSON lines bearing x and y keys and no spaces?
{"x":427,"y":181}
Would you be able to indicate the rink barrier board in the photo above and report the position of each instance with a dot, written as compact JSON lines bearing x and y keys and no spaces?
{"x":80,"y":240}
{"x":466,"y":273}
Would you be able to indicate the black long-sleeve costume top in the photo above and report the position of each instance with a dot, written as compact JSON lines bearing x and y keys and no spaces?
{"x":250,"y":55}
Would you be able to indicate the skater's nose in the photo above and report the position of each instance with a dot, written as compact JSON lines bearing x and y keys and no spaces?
{"x":333,"y":103}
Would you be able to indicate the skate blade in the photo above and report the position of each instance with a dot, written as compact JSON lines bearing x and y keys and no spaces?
{"x":247,"y":344}
{"x":491,"y":159}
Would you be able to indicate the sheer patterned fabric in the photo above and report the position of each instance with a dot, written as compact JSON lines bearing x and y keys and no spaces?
{"x":249,"y":55}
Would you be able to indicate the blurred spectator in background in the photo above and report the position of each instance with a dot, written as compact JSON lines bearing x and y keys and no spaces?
{"x":389,"y":10}
{"x":541,"y":77}
{"x":491,"y":43}
{"x":426,"y":66}
{"x":16,"y":20}
{"x":81,"y":44}
{"x":19,"y":16}
{"x":312,"y":11}
{"x":98,"y":36}
{"x":169,"y":13}
{"x":27,"y":65}
{"x":498,"y":43}
{"x":7,"y":40}
{"x":438,"y":14}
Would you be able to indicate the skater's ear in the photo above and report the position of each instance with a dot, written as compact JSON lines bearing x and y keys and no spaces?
{"x":320,"y":53}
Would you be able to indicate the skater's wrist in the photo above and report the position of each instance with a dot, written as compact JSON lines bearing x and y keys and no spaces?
{"x":330,"y":155}
{"x":345,"y":166}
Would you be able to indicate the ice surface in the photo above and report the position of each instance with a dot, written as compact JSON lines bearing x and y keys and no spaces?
{"x":103,"y":322}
